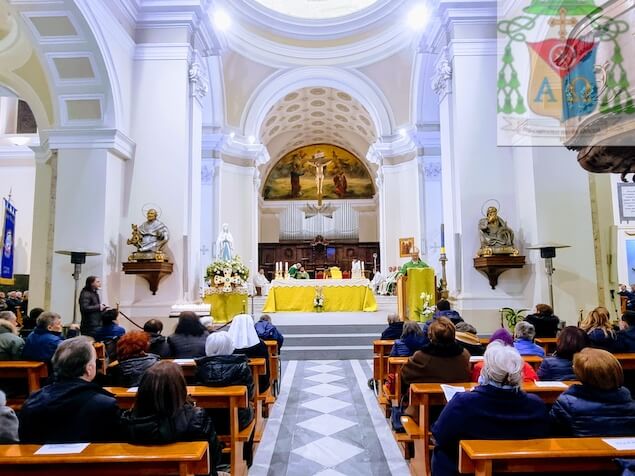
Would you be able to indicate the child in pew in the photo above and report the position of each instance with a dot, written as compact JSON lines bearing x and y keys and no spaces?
{"x":8,"y":422}
{"x":497,"y":409}
{"x":600,"y":405}
{"x":223,"y":368}
{"x":162,"y":413}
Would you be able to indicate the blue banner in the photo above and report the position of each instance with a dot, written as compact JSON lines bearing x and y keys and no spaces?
{"x":8,"y":236}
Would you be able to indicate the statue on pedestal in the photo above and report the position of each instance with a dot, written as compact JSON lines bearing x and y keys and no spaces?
{"x":496,"y":237}
{"x":149,"y":238}
{"x":225,"y":244}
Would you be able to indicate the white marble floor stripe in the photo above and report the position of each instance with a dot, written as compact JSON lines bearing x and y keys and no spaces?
{"x":262,"y":458}
{"x":396,"y":462}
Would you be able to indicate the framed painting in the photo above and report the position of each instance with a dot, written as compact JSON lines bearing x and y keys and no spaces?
{"x":406,"y":245}
{"x":296,"y":177}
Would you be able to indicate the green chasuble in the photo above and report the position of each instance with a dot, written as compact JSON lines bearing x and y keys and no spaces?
{"x":412,"y":264}
{"x":293,"y":271}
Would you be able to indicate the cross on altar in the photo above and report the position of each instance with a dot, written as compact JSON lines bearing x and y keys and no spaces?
{"x":562,"y":22}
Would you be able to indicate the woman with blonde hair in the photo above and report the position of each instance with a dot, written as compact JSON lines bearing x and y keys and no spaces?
{"x":598,"y":327}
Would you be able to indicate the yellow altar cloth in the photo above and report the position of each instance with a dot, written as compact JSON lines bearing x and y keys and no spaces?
{"x":420,"y":280}
{"x":298,"y":296}
{"x":224,"y":306}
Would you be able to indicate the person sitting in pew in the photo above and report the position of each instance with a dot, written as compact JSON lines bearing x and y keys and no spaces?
{"x":560,"y":366}
{"x":30,"y":322}
{"x":162,"y":413}
{"x":267,"y":331}
{"x":598,"y":326}
{"x":188,"y":340}
{"x":411,"y":340}
{"x":158,"y":343}
{"x":246,"y":342}
{"x":467,"y":336}
{"x":42,"y":343}
{"x":497,"y":409}
{"x":133,"y":359}
{"x":394,"y":329}
{"x":442,"y":360}
{"x":599,"y":405}
{"x":544,"y":321}
{"x":503,"y":335}
{"x":8,"y":422}
{"x":443,"y":310}
{"x":72,"y":409}
{"x":625,"y":338}
{"x":524,"y":334}
{"x":11,"y":344}
{"x":110,"y":328}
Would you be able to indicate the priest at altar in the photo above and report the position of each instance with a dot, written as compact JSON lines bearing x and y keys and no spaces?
{"x":415,"y":262}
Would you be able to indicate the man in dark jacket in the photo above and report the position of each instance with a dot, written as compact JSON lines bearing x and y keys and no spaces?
{"x":394,"y":329}
{"x":443,"y":310}
{"x":544,"y":321}
{"x":630,"y":296}
{"x":42,"y":343}
{"x":267,"y":331}
{"x":625,"y":339}
{"x":158,"y":343}
{"x":73,"y":409}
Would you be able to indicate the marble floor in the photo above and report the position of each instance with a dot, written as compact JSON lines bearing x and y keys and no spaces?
{"x":326,"y":422}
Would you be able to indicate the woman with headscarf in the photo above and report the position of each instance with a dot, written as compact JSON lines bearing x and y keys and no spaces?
{"x":497,"y":409}
{"x":502,"y":335}
{"x":246,"y":342}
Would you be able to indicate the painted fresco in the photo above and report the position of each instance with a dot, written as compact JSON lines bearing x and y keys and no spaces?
{"x":296,"y":176}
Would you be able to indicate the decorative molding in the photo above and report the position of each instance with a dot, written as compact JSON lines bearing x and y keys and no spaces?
{"x":199,"y":85}
{"x":162,"y":51}
{"x":442,"y":78}
{"x":112,"y":139}
{"x":54,"y":40}
{"x":432,"y":171}
{"x":88,"y":81}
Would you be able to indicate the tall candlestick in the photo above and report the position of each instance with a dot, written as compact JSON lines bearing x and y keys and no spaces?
{"x":442,"y":235}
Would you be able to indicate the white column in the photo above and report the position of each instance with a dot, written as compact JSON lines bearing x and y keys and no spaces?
{"x":8,"y":116}
{"x":209,"y":212}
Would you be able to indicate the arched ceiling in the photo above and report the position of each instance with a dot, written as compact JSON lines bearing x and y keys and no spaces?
{"x":316,"y":10}
{"x":317,"y":115}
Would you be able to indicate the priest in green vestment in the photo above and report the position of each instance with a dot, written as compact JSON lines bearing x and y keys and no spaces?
{"x":415,"y":262}
{"x":294,"y":269}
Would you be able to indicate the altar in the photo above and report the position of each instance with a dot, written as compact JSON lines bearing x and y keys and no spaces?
{"x":340,"y":295}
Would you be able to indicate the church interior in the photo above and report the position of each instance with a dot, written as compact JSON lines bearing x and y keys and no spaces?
{"x":317,"y":237}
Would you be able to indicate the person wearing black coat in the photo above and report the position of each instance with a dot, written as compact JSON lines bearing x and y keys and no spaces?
{"x":90,"y":307}
{"x":73,"y":409}
{"x":600,"y":405}
{"x":162,"y":413}
{"x":246,"y":342}
{"x":394,"y":329}
{"x":560,"y":366}
{"x":158,"y":343}
{"x":544,"y":321}
{"x":188,"y":340}
{"x":625,"y":338}
{"x":133,"y":359}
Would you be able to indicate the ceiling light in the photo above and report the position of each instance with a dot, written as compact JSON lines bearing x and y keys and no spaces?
{"x":403,"y":132}
{"x":418,"y":17}
{"x":222,"y":20}
{"x":251,"y":139}
{"x":19,"y":140}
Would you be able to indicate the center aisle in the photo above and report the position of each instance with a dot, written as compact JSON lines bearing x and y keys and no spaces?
{"x":327,"y":422}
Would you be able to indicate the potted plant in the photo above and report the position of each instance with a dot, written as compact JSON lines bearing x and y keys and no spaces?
{"x":512,"y":317}
{"x":426,"y":310}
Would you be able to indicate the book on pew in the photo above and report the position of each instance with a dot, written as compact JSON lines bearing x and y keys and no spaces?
{"x":450,"y":390}
{"x":620,"y":443}
{"x":62,"y":449}
{"x":550,"y":384}
{"x":133,"y":389}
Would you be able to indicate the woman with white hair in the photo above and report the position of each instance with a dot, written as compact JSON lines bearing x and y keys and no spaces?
{"x":246,"y":342}
{"x":497,"y":409}
{"x":222,"y":368}
{"x":524,"y":334}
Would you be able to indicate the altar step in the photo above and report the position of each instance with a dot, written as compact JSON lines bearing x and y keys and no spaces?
{"x":329,"y":342}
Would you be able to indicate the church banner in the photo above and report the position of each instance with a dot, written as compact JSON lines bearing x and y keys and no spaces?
{"x":8,"y":234}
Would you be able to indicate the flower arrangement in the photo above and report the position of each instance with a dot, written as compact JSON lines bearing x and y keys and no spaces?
{"x":425,"y":311}
{"x":318,"y":300}
{"x":226,"y":276}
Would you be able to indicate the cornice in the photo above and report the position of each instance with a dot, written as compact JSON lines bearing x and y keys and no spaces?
{"x":112,"y":139}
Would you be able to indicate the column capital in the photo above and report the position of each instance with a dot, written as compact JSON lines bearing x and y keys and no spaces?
{"x":113,"y":140}
{"x":442,"y":79}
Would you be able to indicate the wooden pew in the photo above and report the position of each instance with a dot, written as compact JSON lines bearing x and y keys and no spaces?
{"x":29,"y":370}
{"x":233,"y":398}
{"x":547,"y":343}
{"x":553,"y":455}
{"x":426,"y":395}
{"x":626,"y":360}
{"x":274,"y":366}
{"x":102,"y":358}
{"x":106,"y":459}
{"x":381,"y":351}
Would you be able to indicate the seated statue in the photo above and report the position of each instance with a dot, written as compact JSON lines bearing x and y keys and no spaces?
{"x":496,"y":237}
{"x":149,"y":238}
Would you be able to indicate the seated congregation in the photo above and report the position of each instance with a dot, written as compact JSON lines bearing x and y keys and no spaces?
{"x":80,"y":403}
{"x":585,"y":390}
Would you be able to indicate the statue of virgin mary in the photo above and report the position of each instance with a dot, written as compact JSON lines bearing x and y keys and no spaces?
{"x":225,"y":244}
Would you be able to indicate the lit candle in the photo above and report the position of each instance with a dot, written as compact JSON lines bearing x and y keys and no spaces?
{"x":286,"y":267}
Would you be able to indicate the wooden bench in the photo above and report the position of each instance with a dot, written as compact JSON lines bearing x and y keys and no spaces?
{"x":106,"y":459}
{"x":274,"y":366}
{"x":626,"y":360}
{"x":102,"y":358}
{"x":29,"y":370}
{"x":381,"y":352}
{"x":232,"y":398}
{"x":427,"y":395}
{"x":553,"y":455}
{"x":547,"y":343}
